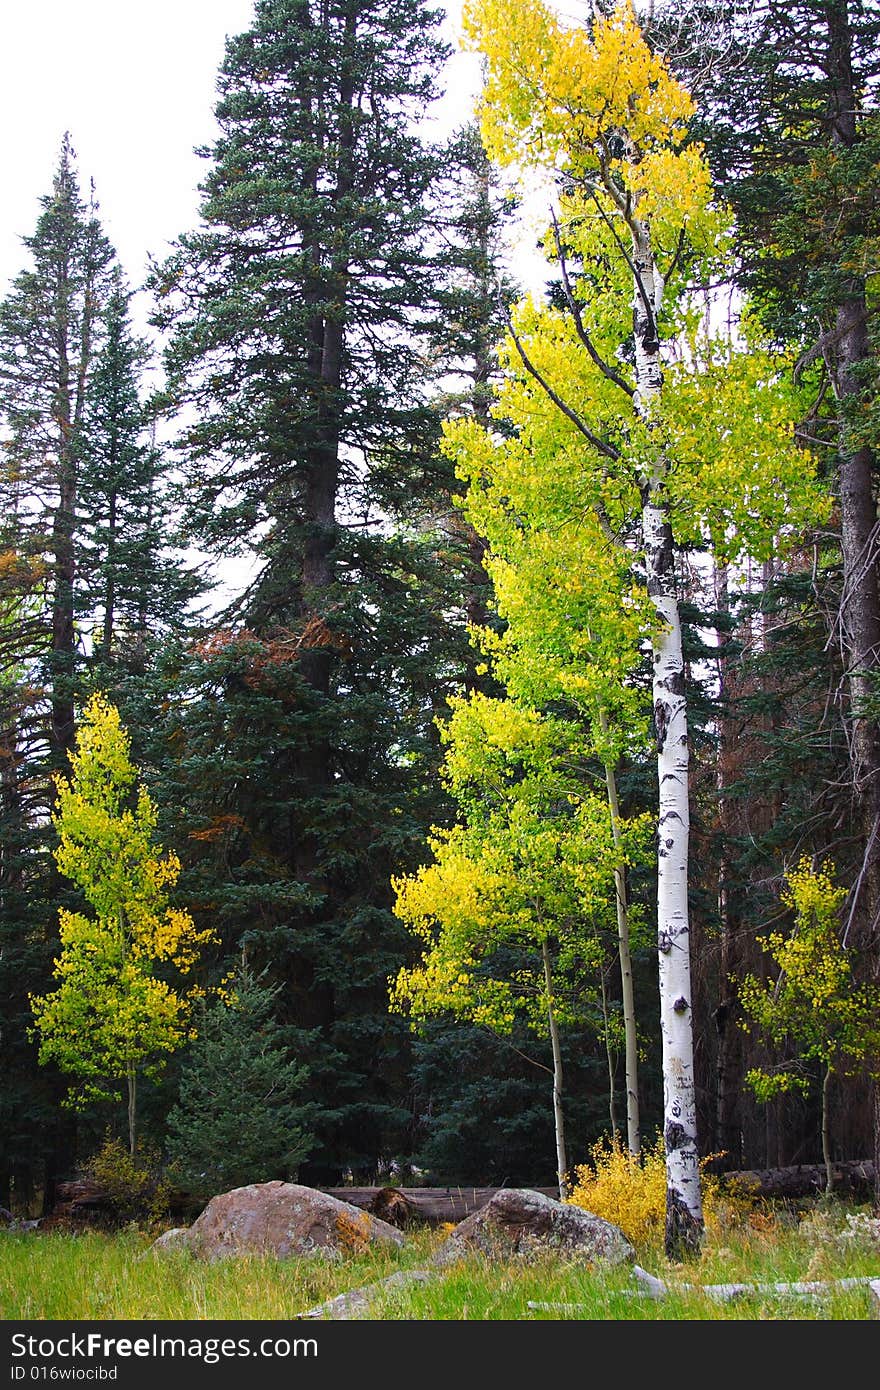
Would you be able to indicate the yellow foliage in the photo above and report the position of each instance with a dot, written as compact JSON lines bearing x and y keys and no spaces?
{"x":816,"y":1001}
{"x":630,"y":1191}
{"x":552,"y":86}
{"x":353,"y":1231}
{"x":598,"y":104}
{"x":112,"y":1014}
{"x":134,"y":1186}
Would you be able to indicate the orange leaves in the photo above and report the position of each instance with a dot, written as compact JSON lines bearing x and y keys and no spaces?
{"x":261,"y":661}
{"x":219,"y":827}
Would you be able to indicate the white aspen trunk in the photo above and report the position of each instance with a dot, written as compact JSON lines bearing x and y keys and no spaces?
{"x":131,"y":1080}
{"x":609,"y":1061}
{"x":631,"y":1045}
{"x":558,"y":1118}
{"x":684,"y":1214}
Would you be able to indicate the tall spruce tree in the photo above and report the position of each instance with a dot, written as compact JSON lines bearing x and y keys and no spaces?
{"x":133,"y":587}
{"x":296,"y":314}
{"x":49,"y":332}
{"x":86,"y":578}
{"x":50,"y":328}
{"x":475,"y":295}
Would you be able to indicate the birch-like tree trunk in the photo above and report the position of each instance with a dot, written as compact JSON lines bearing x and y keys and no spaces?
{"x":558,"y":1118}
{"x":631,"y":1045}
{"x":684,"y":1216}
{"x":131,"y":1083}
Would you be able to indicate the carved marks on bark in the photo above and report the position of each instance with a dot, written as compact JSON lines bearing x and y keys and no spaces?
{"x":668,"y":701}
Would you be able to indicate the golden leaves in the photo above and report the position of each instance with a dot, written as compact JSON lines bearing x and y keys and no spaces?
{"x":111,"y":1012}
{"x":593,"y":101}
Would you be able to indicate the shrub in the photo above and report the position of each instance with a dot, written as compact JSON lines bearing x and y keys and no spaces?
{"x":136,"y":1190}
{"x":630,"y":1191}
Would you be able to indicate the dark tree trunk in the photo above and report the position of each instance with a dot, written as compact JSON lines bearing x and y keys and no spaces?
{"x":728,"y":1071}
{"x":860,"y":606}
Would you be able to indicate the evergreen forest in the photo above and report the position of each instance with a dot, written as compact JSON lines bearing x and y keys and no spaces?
{"x":440,"y":716}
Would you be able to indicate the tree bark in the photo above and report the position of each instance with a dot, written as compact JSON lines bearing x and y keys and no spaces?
{"x":860,"y":605}
{"x":728,"y":1134}
{"x":631,"y":1046}
{"x":609,"y":1060}
{"x":826,"y":1132}
{"x":131,"y":1079}
{"x":684,"y":1213}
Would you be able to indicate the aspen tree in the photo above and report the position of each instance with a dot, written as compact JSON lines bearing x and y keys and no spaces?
{"x":114,"y":1015}
{"x":680,"y":461}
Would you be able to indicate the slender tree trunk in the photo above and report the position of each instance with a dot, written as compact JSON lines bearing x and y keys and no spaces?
{"x":684,"y":1214}
{"x":63,"y":634}
{"x":727,"y":1066}
{"x":69,"y":409}
{"x":631,"y":1045}
{"x":826,"y":1132}
{"x":319,"y":524}
{"x":609,"y":1060}
{"x":110,"y":586}
{"x":558,"y":1118}
{"x":131,"y":1079}
{"x":476,"y":579}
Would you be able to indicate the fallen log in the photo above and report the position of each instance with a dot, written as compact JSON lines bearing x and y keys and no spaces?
{"x":651,"y":1287}
{"x":84,"y":1199}
{"x":83,"y":1192}
{"x":809,"y":1288}
{"x":853,"y":1178}
{"x":434,"y":1206}
{"x":402,"y":1206}
{"x":413,"y":1206}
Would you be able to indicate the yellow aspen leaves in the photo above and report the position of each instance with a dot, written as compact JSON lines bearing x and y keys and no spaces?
{"x":112,"y":1012}
{"x":549,"y":87}
{"x":532,"y":862}
{"x":813,"y":1005}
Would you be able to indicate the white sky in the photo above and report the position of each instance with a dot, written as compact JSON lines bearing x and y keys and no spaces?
{"x":134,"y":83}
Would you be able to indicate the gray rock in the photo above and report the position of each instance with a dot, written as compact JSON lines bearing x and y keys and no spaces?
{"x":358,"y":1303}
{"x":284,"y":1219}
{"x":173,"y":1239}
{"x":521,"y":1223}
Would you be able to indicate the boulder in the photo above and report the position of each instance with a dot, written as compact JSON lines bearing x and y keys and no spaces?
{"x":522,"y":1223}
{"x":172,"y":1239}
{"x":283,"y":1219}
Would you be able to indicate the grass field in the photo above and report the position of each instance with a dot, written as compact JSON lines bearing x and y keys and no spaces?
{"x":118,"y":1276}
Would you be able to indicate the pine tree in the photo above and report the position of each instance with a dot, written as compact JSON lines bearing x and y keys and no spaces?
{"x":239,"y":1117}
{"x":295,"y":318}
{"x":474,"y":298}
{"x":50,"y":329}
{"x":49,"y":333}
{"x":85,"y":515}
{"x":134,"y":590}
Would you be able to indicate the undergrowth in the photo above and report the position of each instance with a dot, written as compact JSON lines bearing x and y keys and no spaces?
{"x":100,"y":1275}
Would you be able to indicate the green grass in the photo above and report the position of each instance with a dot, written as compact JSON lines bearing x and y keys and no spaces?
{"x":104,"y":1277}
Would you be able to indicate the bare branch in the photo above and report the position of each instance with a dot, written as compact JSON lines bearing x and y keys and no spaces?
{"x":603,"y":447}
{"x":604,"y":367}
{"x":639,"y":283}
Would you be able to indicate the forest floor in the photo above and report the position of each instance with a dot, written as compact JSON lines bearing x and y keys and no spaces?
{"x":833,"y":1248}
